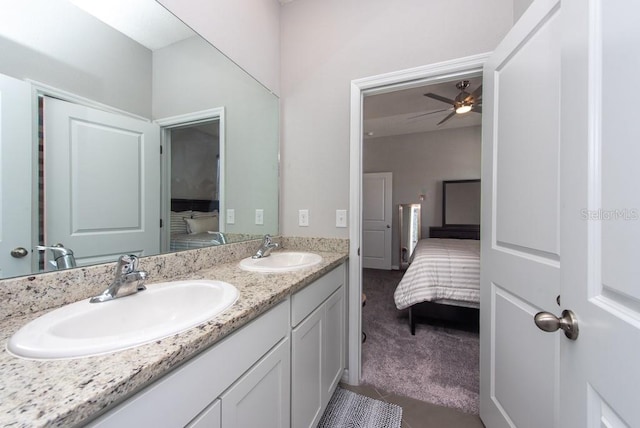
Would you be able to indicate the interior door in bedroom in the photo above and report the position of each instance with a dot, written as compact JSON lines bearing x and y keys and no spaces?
{"x":574,"y":241}
{"x":376,"y":220}
{"x":102,"y":175}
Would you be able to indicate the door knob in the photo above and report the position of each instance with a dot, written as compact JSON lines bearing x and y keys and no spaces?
{"x":549,"y":322}
{"x":19,"y":252}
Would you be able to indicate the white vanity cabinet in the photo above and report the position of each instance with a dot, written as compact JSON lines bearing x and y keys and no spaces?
{"x":278,"y":371}
{"x":317,"y":346}
{"x":251,"y":367}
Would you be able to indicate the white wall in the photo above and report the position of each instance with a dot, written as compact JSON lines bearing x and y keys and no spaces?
{"x":327,"y":43}
{"x":246,"y":31}
{"x":55,"y":43}
{"x":194,"y":164}
{"x":419,"y":163}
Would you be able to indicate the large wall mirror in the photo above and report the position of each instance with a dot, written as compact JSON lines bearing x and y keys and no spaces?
{"x":123,"y":131}
{"x":461,"y":203}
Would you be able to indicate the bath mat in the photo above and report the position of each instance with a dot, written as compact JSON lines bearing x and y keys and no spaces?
{"x":348,"y":409}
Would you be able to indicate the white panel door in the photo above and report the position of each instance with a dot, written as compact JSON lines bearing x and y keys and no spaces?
{"x":521,"y":259}
{"x":599,"y":372}
{"x":15,"y":176}
{"x":571,"y":151}
{"x":102,"y":180}
{"x":376,"y":220}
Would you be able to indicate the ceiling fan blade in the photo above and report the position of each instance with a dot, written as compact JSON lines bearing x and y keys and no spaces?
{"x":477,"y":93}
{"x":440,"y":98}
{"x":477,"y":109}
{"x":453,"y":113}
{"x":428,"y":113}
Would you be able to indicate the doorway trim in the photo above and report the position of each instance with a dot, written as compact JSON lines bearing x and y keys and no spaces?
{"x":166,"y":124}
{"x":469,"y":66}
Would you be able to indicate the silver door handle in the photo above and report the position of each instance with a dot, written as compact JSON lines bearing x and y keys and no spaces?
{"x":549,"y":322}
{"x":19,"y":252}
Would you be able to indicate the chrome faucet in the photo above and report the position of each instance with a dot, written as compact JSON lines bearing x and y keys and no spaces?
{"x":62,"y":257}
{"x":265,"y":248}
{"x":128,"y":280}
{"x":219,"y":237}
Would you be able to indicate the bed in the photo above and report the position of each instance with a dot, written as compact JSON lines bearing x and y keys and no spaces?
{"x":442,"y":272}
{"x":194,"y":224}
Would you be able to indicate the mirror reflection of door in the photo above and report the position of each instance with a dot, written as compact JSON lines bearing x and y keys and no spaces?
{"x":410,"y":234}
{"x":15,"y":177}
{"x":195,"y":187}
{"x":98,"y":171}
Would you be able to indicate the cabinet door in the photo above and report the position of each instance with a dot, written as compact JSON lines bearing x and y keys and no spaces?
{"x":261,"y":397}
{"x":306,"y":370}
{"x":334,"y":345}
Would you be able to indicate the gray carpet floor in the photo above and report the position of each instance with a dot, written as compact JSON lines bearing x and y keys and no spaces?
{"x":439,"y":365}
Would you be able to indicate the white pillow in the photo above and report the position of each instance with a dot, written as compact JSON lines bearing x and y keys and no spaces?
{"x":201,"y":224}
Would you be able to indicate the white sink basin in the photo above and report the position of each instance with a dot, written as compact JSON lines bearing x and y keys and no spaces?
{"x":283,"y":261}
{"x":84,"y":329}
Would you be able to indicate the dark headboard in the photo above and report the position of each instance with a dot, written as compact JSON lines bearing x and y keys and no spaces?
{"x":204,"y":205}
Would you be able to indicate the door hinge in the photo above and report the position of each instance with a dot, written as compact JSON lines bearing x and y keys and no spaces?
{"x":160,"y":149}
{"x":160,"y":222}
{"x":358,"y":250}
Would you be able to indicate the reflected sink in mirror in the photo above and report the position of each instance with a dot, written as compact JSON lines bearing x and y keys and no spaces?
{"x":284,"y":261}
{"x":84,"y":329}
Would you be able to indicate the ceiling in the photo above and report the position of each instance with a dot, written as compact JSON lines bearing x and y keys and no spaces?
{"x":144,"y":21}
{"x":393,"y":113}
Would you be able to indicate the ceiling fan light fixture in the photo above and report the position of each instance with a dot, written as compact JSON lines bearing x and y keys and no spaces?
{"x":464,"y":108}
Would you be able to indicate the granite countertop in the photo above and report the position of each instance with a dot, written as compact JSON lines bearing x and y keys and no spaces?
{"x":68,"y":392}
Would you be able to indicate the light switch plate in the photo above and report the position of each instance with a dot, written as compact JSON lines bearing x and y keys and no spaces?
{"x":231,"y":216}
{"x":259,"y":216}
{"x":341,"y":218}
{"x":303,"y":218}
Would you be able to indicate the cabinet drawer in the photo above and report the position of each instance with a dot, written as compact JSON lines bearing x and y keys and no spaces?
{"x":310,"y":297}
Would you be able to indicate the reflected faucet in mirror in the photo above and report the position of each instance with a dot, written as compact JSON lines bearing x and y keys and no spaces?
{"x":219,"y":237}
{"x":128,"y":280}
{"x":63,"y":258}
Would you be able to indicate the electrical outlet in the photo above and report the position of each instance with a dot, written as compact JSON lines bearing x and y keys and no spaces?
{"x":341,"y":218}
{"x":303,"y":218}
{"x":231,"y":216}
{"x":259,"y":216}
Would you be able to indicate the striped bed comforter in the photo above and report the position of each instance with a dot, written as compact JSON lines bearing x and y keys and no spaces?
{"x":442,"y":269}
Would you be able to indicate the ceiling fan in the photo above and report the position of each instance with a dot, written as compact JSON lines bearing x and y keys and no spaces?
{"x":463,"y":103}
